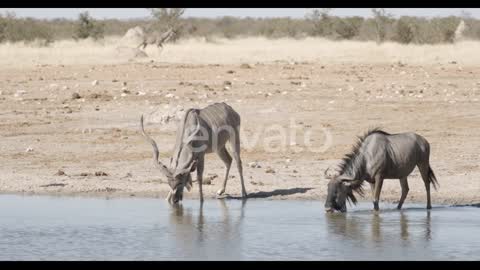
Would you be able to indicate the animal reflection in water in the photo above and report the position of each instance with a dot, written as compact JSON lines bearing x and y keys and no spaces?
{"x":213,"y":237}
{"x":376,"y":228}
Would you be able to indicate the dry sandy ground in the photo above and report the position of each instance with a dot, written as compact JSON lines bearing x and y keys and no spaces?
{"x":338,"y":88}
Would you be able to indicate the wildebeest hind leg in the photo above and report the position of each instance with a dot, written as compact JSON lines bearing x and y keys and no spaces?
{"x":424,"y":172}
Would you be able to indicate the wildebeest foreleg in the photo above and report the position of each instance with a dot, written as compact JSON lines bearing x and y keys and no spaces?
{"x":378,"y":189}
{"x":404,"y":185}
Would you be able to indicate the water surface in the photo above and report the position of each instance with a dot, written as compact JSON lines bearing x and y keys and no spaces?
{"x":59,"y":228}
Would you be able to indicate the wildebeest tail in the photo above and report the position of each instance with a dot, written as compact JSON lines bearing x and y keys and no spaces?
{"x":432,"y":178}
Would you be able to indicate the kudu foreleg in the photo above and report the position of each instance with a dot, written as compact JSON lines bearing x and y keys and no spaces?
{"x":200,"y":167}
{"x":235,"y":143}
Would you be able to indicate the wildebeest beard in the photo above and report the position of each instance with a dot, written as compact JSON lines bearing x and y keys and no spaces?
{"x":339,"y":192}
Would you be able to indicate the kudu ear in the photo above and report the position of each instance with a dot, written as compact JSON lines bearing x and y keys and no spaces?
{"x":188,"y":169}
{"x":164,"y":169}
{"x":195,"y":132}
{"x":189,"y":184}
{"x":194,"y":166}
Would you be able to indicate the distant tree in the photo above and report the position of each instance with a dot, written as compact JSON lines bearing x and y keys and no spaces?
{"x":347,"y":28}
{"x":382,"y":19}
{"x":87,"y":27}
{"x":404,"y":31}
{"x":321,"y":21}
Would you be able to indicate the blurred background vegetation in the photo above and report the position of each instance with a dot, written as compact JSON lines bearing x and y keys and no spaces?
{"x":380,"y":27}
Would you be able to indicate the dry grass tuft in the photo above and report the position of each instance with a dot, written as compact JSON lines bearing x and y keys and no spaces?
{"x":237,"y":51}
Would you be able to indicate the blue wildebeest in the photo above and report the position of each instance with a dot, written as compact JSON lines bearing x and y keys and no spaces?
{"x":379,"y":155}
{"x":201,"y":131}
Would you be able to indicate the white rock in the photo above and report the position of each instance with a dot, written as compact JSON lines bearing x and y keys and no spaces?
{"x":29,"y":149}
{"x":95,"y":82}
{"x":20,"y":93}
{"x":170,"y":95}
{"x":253,"y":165}
{"x":140,"y":93}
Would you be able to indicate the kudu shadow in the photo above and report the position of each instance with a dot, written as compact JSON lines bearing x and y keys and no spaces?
{"x":267,"y":194}
{"x":180,"y":215}
{"x":215,"y":233}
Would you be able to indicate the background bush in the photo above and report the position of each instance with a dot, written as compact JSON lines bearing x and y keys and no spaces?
{"x":319,"y":23}
{"x":87,"y":27}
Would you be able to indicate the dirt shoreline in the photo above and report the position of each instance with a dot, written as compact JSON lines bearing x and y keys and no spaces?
{"x":148,"y":195}
{"x":83,"y":119}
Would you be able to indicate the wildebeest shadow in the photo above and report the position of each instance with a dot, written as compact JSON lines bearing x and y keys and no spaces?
{"x":267,"y":194}
{"x":467,"y":205}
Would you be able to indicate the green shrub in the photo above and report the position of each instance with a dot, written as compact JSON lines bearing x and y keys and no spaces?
{"x":382,"y":27}
{"x":321,"y":21}
{"x":87,"y":27}
{"x":404,"y":31}
{"x":347,"y":28}
{"x":14,"y":29}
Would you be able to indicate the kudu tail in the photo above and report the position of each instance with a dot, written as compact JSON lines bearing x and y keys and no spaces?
{"x":432,"y":178}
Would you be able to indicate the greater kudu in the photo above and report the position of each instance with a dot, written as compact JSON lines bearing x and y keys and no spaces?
{"x":156,"y":38}
{"x":201,"y":131}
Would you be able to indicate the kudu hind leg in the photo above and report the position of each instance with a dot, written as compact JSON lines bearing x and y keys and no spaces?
{"x":236,"y":155}
{"x":227,"y":159}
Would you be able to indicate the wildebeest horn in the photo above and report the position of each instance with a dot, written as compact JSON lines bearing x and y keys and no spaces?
{"x":327,"y":175}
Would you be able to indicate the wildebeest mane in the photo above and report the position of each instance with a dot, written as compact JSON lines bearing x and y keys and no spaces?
{"x":350,"y":162}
